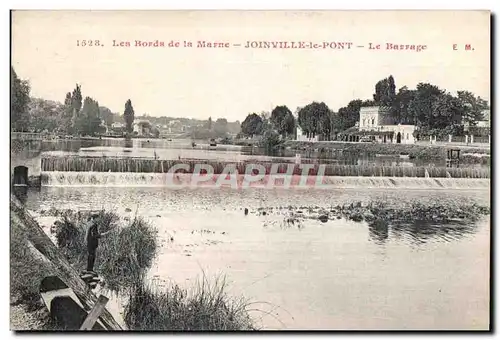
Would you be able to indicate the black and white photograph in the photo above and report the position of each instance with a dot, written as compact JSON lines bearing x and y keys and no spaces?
{"x":250,"y":170}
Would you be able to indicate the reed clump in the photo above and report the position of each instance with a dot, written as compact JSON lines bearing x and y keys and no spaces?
{"x":207,"y":307}
{"x":123,"y":255}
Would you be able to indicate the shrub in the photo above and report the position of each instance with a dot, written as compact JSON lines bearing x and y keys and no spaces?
{"x":270,"y":140}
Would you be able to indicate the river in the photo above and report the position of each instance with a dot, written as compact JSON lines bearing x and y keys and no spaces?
{"x":336,"y":275}
{"x":339,"y":275}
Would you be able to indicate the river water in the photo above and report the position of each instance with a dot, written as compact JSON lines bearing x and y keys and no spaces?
{"x":339,"y":275}
{"x":334,"y":275}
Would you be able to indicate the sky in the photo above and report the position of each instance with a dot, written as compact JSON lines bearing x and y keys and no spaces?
{"x":233,"y":82}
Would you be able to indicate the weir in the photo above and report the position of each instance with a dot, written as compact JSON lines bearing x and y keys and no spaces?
{"x":83,"y":165}
{"x":178,"y":181}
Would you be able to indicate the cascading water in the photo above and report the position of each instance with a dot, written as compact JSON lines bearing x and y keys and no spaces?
{"x":127,"y":171}
{"x":130,"y":179}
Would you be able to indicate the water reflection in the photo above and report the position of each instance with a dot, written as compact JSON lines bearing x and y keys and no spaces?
{"x":378,"y":232}
{"x":21,"y":193}
{"x":129,"y":143}
{"x":422,"y":232}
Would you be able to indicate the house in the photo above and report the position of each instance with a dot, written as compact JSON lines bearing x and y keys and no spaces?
{"x":142,"y":127}
{"x":376,"y":124}
{"x":117,"y":128}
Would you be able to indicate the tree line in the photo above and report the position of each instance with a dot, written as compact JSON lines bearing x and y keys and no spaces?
{"x":85,"y":116}
{"x":76,"y":116}
{"x":433,"y":110}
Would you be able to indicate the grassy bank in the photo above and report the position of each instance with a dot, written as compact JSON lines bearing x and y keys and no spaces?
{"x":425,"y":152}
{"x":26,"y":271}
{"x":124,"y":256}
{"x":205,"y":308}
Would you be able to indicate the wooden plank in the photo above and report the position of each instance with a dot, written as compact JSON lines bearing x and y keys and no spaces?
{"x":94,"y":313}
{"x":22,"y":220}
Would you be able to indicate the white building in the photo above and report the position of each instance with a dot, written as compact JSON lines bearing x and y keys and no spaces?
{"x":379,"y":126}
{"x":117,"y":125}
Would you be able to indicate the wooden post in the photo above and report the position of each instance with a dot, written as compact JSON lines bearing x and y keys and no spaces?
{"x":95,"y":313}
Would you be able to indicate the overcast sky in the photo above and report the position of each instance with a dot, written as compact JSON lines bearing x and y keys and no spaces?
{"x":230,"y":83}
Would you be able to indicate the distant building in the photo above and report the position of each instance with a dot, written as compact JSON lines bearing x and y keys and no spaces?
{"x":376,"y":124}
{"x":485,"y":122}
{"x":142,"y":127}
{"x":117,"y":125}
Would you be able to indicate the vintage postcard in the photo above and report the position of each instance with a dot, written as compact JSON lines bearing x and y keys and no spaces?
{"x":250,"y":170}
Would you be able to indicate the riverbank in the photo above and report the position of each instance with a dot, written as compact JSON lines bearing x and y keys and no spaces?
{"x":424,"y":152}
{"x":123,"y":258}
{"x":194,"y":239}
{"x":443,"y":218}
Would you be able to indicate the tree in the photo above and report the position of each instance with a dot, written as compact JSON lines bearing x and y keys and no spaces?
{"x":155,"y":131}
{"x":220,"y":127}
{"x":446,"y":111}
{"x":234,"y":127}
{"x":89,"y":120}
{"x":314,"y":118}
{"x":473,"y":107}
{"x":252,"y":125}
{"x":349,"y":115}
{"x":400,"y":106}
{"x":266,"y":121}
{"x":128,"y":115}
{"x":76,"y":105}
{"x":77,"y":98}
{"x":421,"y":107}
{"x":20,"y":98}
{"x":278,"y":116}
{"x":288,"y":124}
{"x":106,"y":115}
{"x":385,"y":92}
{"x":209,"y":123}
{"x":45,"y":115}
{"x":66,"y":121}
